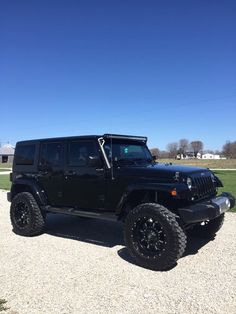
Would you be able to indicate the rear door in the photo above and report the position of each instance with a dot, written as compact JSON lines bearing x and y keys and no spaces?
{"x":84,"y":185}
{"x":50,"y":170}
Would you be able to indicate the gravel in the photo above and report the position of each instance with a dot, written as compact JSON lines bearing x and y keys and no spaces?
{"x":81,"y":266}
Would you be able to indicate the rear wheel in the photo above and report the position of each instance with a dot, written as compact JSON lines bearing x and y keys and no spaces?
{"x":208,"y":228}
{"x":26,"y":216}
{"x":153,"y":236}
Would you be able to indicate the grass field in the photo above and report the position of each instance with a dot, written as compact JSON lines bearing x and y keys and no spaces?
{"x":2,"y":166}
{"x":228,"y":178}
{"x":5,"y":183}
{"x":212,"y":164}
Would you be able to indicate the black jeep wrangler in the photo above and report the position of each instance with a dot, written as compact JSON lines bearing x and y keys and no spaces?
{"x":115,"y":177}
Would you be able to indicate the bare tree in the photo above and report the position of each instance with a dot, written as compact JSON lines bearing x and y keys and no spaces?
{"x":197,"y":147}
{"x":229,"y":149}
{"x":183,"y":146}
{"x":163,"y":154}
{"x":233,"y":149}
{"x":172,"y":148}
{"x":155,"y":152}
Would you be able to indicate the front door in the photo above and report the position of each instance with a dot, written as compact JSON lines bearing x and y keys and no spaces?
{"x":84,"y":185}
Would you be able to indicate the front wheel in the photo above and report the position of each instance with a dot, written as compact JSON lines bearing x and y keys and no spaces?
{"x":153,"y":236}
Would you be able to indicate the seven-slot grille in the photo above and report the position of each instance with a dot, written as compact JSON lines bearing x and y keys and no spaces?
{"x":203,"y":185}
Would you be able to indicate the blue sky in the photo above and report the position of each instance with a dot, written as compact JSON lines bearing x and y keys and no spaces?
{"x":164,"y":69}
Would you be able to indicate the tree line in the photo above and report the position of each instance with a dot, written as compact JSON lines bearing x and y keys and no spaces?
{"x":184,"y":147}
{"x":229,"y":149}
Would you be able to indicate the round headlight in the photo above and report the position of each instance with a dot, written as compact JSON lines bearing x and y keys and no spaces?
{"x":213,"y":178}
{"x":189,"y":183}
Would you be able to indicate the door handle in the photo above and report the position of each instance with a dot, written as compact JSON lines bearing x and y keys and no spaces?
{"x":43,"y":173}
{"x":70,"y":173}
{"x":100,"y":169}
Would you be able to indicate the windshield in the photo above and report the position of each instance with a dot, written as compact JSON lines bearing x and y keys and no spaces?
{"x":127,"y":152}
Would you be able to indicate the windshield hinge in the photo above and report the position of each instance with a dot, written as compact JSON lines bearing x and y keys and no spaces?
{"x":101,"y":143}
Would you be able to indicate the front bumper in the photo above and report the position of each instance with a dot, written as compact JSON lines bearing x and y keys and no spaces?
{"x":208,"y":209}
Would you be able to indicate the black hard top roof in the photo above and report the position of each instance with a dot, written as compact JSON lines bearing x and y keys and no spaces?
{"x":112,"y":136}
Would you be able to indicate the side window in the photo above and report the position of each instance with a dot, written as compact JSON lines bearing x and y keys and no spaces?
{"x":79,"y":152}
{"x":51,"y":154}
{"x":24,"y":154}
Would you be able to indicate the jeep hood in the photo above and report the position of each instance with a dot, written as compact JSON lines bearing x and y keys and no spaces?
{"x":162,"y":171}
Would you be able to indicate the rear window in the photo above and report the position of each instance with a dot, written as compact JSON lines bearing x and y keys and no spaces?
{"x":24,"y":154}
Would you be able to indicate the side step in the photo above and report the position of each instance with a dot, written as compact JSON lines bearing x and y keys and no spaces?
{"x":82,"y":213}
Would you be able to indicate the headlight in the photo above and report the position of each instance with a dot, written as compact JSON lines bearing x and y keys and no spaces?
{"x":189,"y":183}
{"x":213,"y":178}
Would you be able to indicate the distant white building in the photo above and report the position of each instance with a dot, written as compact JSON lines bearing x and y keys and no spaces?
{"x":210,"y":156}
{"x":188,"y":155}
{"x":6,"y":153}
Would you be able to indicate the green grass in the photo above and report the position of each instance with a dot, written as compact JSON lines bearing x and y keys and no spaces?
{"x":3,"y":170}
{"x":229,"y":180}
{"x":227,"y":177}
{"x":5,"y":165}
{"x":205,"y":163}
{"x":5,"y":183}
{"x":2,"y":303}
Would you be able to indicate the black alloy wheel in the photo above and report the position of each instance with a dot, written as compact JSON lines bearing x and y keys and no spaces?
{"x":153,"y":236}
{"x":26,"y":216}
{"x":22,"y":215}
{"x":148,"y":236}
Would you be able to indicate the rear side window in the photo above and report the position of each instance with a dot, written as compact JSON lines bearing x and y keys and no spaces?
{"x":51,"y":154}
{"x":24,"y":154}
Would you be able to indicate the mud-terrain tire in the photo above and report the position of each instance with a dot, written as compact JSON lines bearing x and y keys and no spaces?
{"x":26,"y":217}
{"x":153,"y":236}
{"x":208,"y":228}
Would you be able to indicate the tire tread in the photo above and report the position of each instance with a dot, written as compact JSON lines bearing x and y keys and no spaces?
{"x":179,"y":244}
{"x":38,"y":222}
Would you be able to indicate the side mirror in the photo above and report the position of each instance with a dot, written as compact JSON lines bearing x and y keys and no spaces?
{"x":95,"y":161}
{"x":154,"y":158}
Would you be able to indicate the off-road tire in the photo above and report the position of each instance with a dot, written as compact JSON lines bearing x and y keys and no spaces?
{"x":170,"y":238}
{"x":26,"y":217}
{"x":208,"y":229}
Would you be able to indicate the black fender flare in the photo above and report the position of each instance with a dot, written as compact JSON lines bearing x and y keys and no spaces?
{"x":21,"y":184}
{"x":158,"y":187}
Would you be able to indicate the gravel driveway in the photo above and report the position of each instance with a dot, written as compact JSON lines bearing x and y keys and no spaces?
{"x":81,"y":266}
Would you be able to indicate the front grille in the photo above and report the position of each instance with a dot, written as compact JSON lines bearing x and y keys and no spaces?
{"x":203,"y":186}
